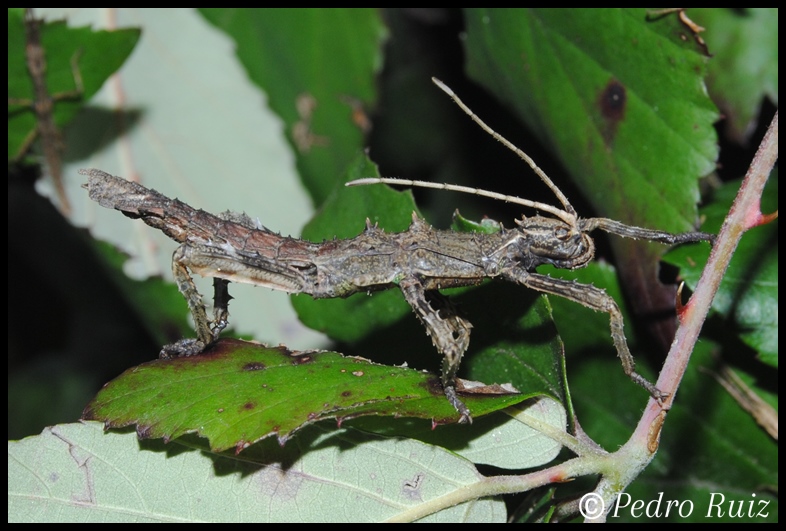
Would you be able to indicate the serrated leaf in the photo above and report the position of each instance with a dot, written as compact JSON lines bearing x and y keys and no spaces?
{"x":99,"y":53}
{"x":216,"y":490}
{"x":238,"y":393}
{"x":76,"y":472}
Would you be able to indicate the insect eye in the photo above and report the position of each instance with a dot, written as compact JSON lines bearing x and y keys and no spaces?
{"x":562,"y":233}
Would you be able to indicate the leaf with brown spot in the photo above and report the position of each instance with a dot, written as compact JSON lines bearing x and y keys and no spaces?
{"x":237,"y":393}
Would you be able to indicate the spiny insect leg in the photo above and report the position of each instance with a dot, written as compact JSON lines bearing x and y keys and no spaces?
{"x":596,"y":299}
{"x":638,"y":233}
{"x":449,"y":333}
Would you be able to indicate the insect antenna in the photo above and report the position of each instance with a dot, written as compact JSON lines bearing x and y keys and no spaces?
{"x":565,"y":216}
{"x":568,"y":215}
{"x":508,"y":144}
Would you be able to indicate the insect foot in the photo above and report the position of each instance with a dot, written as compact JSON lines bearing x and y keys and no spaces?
{"x":183,"y":348}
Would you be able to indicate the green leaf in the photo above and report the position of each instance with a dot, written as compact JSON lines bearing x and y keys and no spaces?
{"x":98,"y":53}
{"x":76,"y":472}
{"x":237,"y":393}
{"x":196,"y":131}
{"x":319,"y":79}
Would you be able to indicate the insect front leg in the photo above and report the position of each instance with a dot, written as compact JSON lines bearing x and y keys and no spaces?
{"x":449,"y":332}
{"x":596,"y":299}
{"x":638,"y":233}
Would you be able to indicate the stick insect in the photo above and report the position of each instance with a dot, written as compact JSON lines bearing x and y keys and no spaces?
{"x":419,"y":261}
